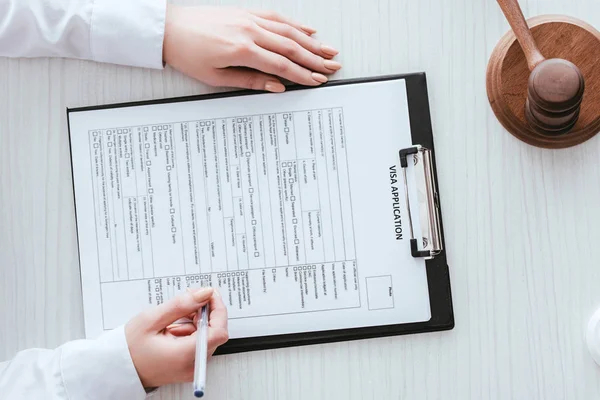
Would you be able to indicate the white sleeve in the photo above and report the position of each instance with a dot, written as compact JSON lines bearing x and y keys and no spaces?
{"x":82,"y":369}
{"x":127,"y":32}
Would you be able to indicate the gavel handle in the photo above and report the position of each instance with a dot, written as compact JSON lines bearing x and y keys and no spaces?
{"x":514,"y":15}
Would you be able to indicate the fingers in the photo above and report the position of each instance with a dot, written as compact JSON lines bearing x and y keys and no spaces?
{"x":181,"y":306}
{"x":218,"y":333}
{"x":307,"y":42}
{"x":248,"y":79}
{"x":273,"y":16}
{"x":295,"y":52}
{"x":276,"y":64}
{"x":218,"y":312}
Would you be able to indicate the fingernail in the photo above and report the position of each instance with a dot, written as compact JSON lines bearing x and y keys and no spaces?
{"x":329,"y":50}
{"x":274,"y":86}
{"x":182,"y":321}
{"x":333,"y":65}
{"x":308,"y":29}
{"x":319,"y":78}
{"x":202,"y":294}
{"x":217,"y":294}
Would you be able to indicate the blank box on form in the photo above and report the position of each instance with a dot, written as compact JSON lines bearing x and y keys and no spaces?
{"x":380,"y":294}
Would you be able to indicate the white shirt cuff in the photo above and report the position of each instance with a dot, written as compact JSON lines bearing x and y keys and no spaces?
{"x":102,"y":370}
{"x":128,"y":32}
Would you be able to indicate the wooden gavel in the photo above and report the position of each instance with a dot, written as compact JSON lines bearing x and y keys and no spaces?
{"x":555,"y":87}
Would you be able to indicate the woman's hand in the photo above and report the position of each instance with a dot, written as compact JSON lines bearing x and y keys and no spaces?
{"x":238,"y":48}
{"x":164,"y":353}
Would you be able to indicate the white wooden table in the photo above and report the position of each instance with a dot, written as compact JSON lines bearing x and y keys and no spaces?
{"x":522,"y":224}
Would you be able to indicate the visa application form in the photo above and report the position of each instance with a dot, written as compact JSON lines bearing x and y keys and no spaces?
{"x":290,"y":205}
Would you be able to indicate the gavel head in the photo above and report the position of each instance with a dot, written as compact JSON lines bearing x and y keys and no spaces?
{"x":554,"y":94}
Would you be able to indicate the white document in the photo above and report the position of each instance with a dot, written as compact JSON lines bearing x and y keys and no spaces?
{"x":291,"y":205}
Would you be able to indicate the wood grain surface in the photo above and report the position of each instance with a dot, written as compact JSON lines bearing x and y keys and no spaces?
{"x":508,"y":74}
{"x":521,"y":223}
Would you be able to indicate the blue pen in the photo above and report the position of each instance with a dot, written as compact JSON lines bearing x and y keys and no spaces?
{"x":201,"y":353}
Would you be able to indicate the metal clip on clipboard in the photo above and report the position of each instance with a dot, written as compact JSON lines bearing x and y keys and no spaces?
{"x":427,"y":199}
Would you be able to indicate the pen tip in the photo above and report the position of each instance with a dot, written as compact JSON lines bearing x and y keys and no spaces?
{"x":198,"y":393}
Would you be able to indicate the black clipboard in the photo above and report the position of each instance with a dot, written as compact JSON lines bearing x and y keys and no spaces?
{"x":438,"y":276}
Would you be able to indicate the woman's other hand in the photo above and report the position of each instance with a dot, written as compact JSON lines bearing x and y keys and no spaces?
{"x":238,"y":48}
